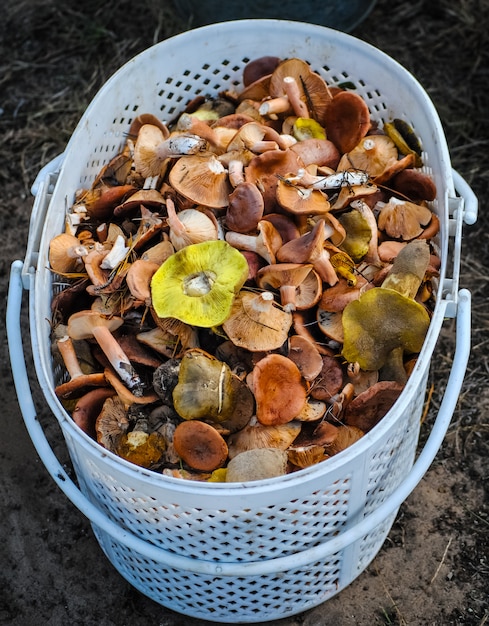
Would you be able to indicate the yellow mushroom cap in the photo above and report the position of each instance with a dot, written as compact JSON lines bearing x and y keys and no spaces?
{"x":198,"y":283}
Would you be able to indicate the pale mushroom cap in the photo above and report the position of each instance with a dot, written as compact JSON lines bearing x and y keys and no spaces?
{"x":202,"y":179}
{"x":66,"y":253}
{"x":148,"y":139}
{"x":373,"y":154}
{"x":257,"y":464}
{"x":81,"y":324}
{"x":402,"y":219}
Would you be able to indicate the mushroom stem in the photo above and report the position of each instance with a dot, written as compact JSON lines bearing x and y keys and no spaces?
{"x":116,"y":254}
{"x":266,"y":243}
{"x":70,"y":359}
{"x":76,"y":252}
{"x":264,"y":146}
{"x":236,"y":172}
{"x":274,"y":106}
{"x":117,"y":358}
{"x":192,"y":124}
{"x":174,"y":221}
{"x":293,"y":93}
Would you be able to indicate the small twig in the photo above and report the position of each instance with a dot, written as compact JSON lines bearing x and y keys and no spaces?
{"x":441,"y":562}
{"x":427,"y":404}
{"x":484,"y":619}
{"x":402,"y":621}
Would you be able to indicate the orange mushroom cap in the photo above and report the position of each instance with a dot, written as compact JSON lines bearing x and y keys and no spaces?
{"x":280,"y":391}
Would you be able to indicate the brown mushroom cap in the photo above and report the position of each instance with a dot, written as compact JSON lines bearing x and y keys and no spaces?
{"x":284,"y":225}
{"x":320,"y":152}
{"x":346,"y":436}
{"x":280,"y":391}
{"x":138,"y":280}
{"x":335,"y":298}
{"x":369,"y":407}
{"x":373,"y":154}
{"x":245,"y":208}
{"x":306,"y":356}
{"x":150,"y":198}
{"x":100,"y":201}
{"x":257,"y":68}
{"x":200,"y":445}
{"x":309,"y":248}
{"x":263,"y":170}
{"x":415,"y":185}
{"x":330,"y":380}
{"x":313,"y":90}
{"x":88,"y":408}
{"x":347,"y":120}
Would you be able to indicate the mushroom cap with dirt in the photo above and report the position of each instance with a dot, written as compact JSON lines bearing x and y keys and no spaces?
{"x":207,"y":389}
{"x":386,"y":322}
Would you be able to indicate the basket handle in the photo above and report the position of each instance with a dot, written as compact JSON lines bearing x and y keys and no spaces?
{"x":470,"y":202}
{"x":159,"y":555}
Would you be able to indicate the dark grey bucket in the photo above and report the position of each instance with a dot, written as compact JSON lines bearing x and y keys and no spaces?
{"x":339,"y":14}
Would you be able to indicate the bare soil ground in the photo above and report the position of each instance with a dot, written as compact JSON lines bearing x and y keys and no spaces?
{"x":434,"y":567}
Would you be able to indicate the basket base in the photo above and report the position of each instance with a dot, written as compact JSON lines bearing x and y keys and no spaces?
{"x":243,"y":599}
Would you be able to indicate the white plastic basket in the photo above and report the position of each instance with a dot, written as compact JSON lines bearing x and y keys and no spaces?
{"x":267,"y":549}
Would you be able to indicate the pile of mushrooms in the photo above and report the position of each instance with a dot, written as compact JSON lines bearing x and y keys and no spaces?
{"x":247,"y":287}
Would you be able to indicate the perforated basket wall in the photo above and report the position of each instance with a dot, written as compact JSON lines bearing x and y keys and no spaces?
{"x":269,"y":519}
